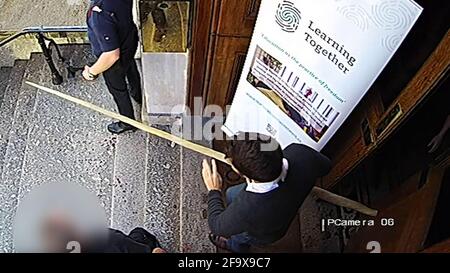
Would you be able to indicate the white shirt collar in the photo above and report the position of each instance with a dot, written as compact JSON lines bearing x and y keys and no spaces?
{"x":96,"y":9}
{"x":269,"y":186}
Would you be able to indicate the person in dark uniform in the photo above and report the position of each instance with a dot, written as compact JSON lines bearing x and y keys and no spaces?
{"x":114,"y":40}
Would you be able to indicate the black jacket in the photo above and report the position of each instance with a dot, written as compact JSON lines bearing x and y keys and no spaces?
{"x":267,"y":216}
{"x":138,"y":241}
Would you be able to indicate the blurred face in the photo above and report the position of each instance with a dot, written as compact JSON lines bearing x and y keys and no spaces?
{"x":59,"y":217}
{"x":57,"y":231}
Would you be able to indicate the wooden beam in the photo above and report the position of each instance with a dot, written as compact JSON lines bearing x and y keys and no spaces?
{"x":321,"y":193}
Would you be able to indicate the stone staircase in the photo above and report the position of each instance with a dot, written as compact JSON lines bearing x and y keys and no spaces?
{"x":141,"y":180}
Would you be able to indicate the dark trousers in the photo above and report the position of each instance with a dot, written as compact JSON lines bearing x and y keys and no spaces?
{"x":116,"y":80}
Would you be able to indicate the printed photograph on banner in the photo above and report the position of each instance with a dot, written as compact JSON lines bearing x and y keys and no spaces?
{"x":298,"y":100}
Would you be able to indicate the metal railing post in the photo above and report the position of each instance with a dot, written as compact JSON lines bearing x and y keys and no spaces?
{"x":57,"y":79}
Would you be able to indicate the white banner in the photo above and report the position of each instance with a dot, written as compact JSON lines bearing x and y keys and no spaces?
{"x":311,"y":62}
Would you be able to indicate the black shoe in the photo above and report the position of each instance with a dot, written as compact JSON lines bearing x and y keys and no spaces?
{"x":120,"y":127}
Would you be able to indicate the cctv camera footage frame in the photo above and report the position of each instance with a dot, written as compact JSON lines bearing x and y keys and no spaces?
{"x":80,"y":176}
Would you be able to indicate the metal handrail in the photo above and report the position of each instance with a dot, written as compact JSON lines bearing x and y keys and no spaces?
{"x":43,"y":29}
{"x":46,"y":49}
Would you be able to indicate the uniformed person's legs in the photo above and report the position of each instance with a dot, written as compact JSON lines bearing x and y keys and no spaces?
{"x":117,"y":86}
{"x":116,"y":79}
{"x":134,"y":81}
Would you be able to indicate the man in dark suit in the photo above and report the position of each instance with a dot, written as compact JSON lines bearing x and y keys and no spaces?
{"x":260,"y":211}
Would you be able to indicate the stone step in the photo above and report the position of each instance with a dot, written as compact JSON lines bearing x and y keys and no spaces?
{"x":67,"y":143}
{"x":69,"y":139}
{"x":7,"y":109}
{"x":4,"y":76}
{"x":194,"y":223}
{"x":162,"y":207}
{"x":8,"y":105}
{"x":129,"y":187}
{"x":15,"y":148}
{"x":140,"y":179}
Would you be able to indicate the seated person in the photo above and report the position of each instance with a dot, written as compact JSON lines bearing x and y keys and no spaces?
{"x":138,"y":240}
{"x":67,"y":218}
{"x":260,"y":211}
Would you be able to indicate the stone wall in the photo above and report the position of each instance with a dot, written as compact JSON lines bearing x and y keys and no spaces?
{"x":17,"y":14}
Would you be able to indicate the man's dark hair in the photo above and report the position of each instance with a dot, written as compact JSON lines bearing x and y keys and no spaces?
{"x":257,"y":156}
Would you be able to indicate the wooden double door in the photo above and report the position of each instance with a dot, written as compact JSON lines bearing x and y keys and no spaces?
{"x":221,"y":37}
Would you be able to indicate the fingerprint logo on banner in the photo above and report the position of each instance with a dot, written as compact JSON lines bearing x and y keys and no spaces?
{"x":288,"y":16}
{"x":390,"y":42}
{"x":392,"y":15}
{"x":357,"y":15}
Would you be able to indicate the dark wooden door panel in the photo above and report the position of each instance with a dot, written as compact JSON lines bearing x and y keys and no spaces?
{"x":347,"y":148}
{"x":443,"y":247}
{"x":237,"y":18}
{"x":200,"y":49}
{"x":226,"y":67}
{"x":222,"y":32}
{"x":411,"y":218}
